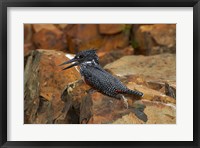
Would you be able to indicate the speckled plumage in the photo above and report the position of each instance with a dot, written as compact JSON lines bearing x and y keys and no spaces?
{"x":99,"y":79}
{"x":104,"y":82}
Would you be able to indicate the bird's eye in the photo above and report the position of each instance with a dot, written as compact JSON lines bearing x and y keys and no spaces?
{"x":80,"y":57}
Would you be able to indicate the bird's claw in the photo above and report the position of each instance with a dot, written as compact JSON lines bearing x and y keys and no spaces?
{"x":125,"y":101}
{"x":126,"y":105}
{"x":111,"y":101}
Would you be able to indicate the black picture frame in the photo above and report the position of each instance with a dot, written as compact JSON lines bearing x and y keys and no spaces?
{"x":98,"y":3}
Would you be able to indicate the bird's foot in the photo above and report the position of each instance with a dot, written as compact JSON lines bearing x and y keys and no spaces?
{"x":125,"y":101}
{"x":111,"y":101}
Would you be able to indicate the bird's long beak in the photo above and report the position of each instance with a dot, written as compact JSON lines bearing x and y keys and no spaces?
{"x":68,"y":62}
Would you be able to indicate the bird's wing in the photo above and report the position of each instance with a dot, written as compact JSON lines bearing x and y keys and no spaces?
{"x":101,"y":79}
{"x":115,"y":81}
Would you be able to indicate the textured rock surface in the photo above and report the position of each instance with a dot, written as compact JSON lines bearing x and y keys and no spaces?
{"x":111,"y":28}
{"x":157,"y":113}
{"x":155,"y":39}
{"x":113,"y":42}
{"x":55,"y":96}
{"x":146,"y":39}
{"x":108,"y":57}
{"x":44,"y":82}
{"x":151,"y":75}
{"x":82,"y":36}
{"x":104,"y":110}
{"x":49,"y":39}
{"x":28,"y":47}
{"x":151,"y":94}
{"x":28,"y":33}
{"x":39,"y":27}
{"x":158,"y":67}
{"x":96,"y":108}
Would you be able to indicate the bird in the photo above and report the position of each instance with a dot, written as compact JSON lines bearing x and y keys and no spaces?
{"x":98,"y":78}
{"x":104,"y":82}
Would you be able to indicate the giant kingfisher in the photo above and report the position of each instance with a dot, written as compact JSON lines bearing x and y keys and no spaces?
{"x":99,"y":79}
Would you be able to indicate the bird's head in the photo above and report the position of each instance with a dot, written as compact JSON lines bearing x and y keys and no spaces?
{"x":86,"y":56}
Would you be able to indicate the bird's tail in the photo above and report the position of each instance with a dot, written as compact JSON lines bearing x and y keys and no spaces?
{"x":134,"y":92}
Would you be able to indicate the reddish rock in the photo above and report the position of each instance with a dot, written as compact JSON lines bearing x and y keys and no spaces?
{"x":160,"y":113}
{"x":61,"y":26}
{"x":82,"y":36}
{"x":129,"y":118}
{"x":111,"y":28}
{"x":93,"y":107}
{"x":96,"y":108}
{"x":105,"y":110}
{"x":155,"y":76}
{"x":101,"y":108}
{"x":50,"y":39}
{"x":157,"y":113}
{"x":108,"y":57}
{"x":72,"y":95}
{"x":155,"y":39}
{"x":113,"y":42}
{"x":151,"y":94}
{"x":164,"y":35}
{"x":39,"y":27}
{"x":44,"y":82}
{"x":86,"y":36}
{"x":55,"y":96}
{"x":28,"y":32}
{"x":157,"y":67}
{"x":28,"y":47}
{"x":166,"y":87}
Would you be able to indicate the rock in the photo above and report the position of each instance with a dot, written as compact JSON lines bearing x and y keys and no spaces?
{"x":82,"y":36}
{"x":96,"y":108}
{"x":55,"y":96}
{"x":87,"y":36}
{"x":114,"y":42}
{"x":151,"y":94}
{"x":128,"y":119}
{"x":158,"y":67}
{"x":148,"y":74}
{"x":155,"y":39}
{"x":28,"y":32}
{"x":108,"y":57}
{"x":160,"y":113}
{"x":170,"y":91}
{"x":61,"y":26}
{"x":105,"y":110}
{"x":50,"y":39}
{"x":39,"y":27}
{"x":164,"y":35}
{"x":167,"y":87}
{"x":73,"y":95}
{"x":44,"y":82}
{"x":111,"y":28}
{"x":28,"y":47}
{"x":93,"y":107}
{"x":157,"y":113}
